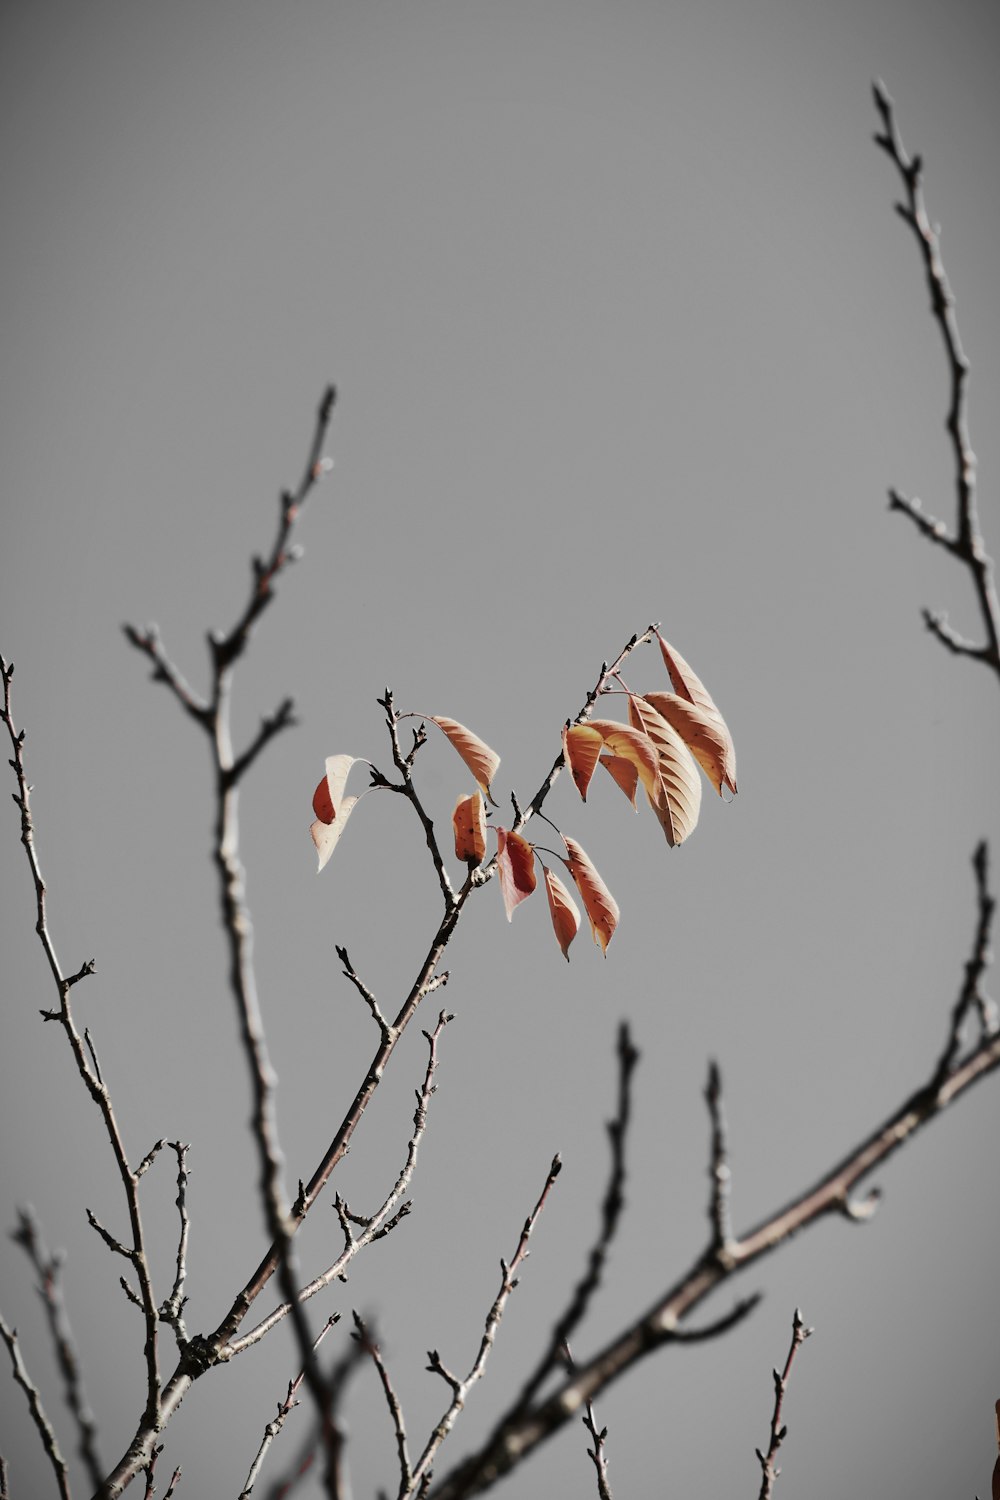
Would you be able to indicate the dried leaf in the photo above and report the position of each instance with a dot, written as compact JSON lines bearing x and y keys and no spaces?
{"x":480,"y":759}
{"x":329,"y":794}
{"x":563,"y":910}
{"x":469,"y":823}
{"x":705,"y":735}
{"x":688,"y":685}
{"x":624,"y":773}
{"x":677,"y":800}
{"x":599,"y":904}
{"x":632,"y":744}
{"x":516,"y":868}
{"x":327,"y":835}
{"x":581,"y":746}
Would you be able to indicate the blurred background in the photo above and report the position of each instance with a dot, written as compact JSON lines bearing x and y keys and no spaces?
{"x":624,"y":329}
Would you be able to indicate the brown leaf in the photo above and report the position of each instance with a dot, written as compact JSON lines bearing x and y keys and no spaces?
{"x":516,"y":868}
{"x":329,"y":793}
{"x":469,"y":823}
{"x":677,"y":800}
{"x":632,"y":744}
{"x":563,"y":910}
{"x":624,"y":773}
{"x":326,"y":836}
{"x":705,"y":735}
{"x":480,"y":759}
{"x":581,"y":747}
{"x":598,"y":902}
{"x":688,"y":685}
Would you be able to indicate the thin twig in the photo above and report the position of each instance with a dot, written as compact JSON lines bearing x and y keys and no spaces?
{"x":611,"y":1210}
{"x":371,"y":1348}
{"x":41,"y":1421}
{"x":779,"y":1431}
{"x":596,"y":1454}
{"x":365,"y":993}
{"x":173,"y":1307}
{"x":971,"y":995}
{"x":404,"y":765}
{"x":460,"y":1388}
{"x":48,"y":1269}
{"x":80,"y":1048}
{"x":966,"y":541}
{"x":289,"y":1404}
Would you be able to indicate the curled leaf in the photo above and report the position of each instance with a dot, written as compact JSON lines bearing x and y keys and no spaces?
{"x":688,"y":685}
{"x":516,"y":868}
{"x":598,"y":902}
{"x":705,"y":735}
{"x":563,"y":910}
{"x":581,"y":746}
{"x":329,"y":794}
{"x":480,"y":759}
{"x":469,"y":822}
{"x":623,"y":772}
{"x":677,"y":798}
{"x":326,"y":836}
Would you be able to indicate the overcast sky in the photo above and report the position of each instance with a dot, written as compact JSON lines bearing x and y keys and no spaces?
{"x":624,"y":329}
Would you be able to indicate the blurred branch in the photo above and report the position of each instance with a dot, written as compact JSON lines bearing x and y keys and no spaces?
{"x":779,"y":1431}
{"x":966,"y":541}
{"x":48,"y":1269}
{"x":41,"y":1421}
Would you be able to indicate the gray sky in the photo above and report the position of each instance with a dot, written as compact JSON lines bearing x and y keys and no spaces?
{"x":625,"y":329}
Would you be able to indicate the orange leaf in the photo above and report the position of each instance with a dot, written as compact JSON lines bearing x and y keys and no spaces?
{"x":599,"y":904}
{"x":581,"y":747}
{"x":705,"y":735}
{"x":516,"y":869}
{"x":688,"y":685}
{"x":563,"y":911}
{"x":623,"y":772}
{"x":326,"y":836}
{"x":677,"y":800}
{"x":480,"y":759}
{"x":632,"y":744}
{"x":469,"y":823}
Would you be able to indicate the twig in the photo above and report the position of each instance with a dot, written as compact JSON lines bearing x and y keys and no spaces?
{"x":611,"y":1210}
{"x":521,"y":1431}
{"x":338,"y":1486}
{"x":966,"y":541}
{"x":4,"y":1488}
{"x":596,"y":1454}
{"x":173,"y":1307}
{"x":91,"y":1075}
{"x":460,"y":1388}
{"x":404,"y":765}
{"x":274,"y":1427}
{"x":971,"y":995}
{"x":779,"y":1431}
{"x":371,"y":1348}
{"x":41,"y":1421}
{"x":48,"y":1269}
{"x":365,"y":993}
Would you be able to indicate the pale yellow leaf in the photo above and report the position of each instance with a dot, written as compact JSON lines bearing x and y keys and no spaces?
{"x":327,"y":835}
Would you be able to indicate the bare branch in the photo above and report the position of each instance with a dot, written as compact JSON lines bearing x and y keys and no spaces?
{"x":41,"y":1421}
{"x":521,"y":1431}
{"x":966,"y":542}
{"x":83,"y":1051}
{"x":48,"y":1269}
{"x":404,"y":765}
{"x":971,"y":996}
{"x":596,"y":1454}
{"x":779,"y":1431}
{"x":173,"y":1307}
{"x":290,"y":1402}
{"x":371,"y":1348}
{"x":461,"y":1388}
{"x":365,"y":993}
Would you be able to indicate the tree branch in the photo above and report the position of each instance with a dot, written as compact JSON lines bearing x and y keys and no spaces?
{"x":779,"y":1431}
{"x":41,"y":1421}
